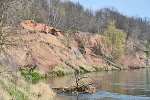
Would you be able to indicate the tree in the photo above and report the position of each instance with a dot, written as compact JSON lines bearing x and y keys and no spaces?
{"x":146,"y":51}
{"x":56,"y":13}
{"x":10,"y":15}
{"x":113,"y":38}
{"x":3,"y":12}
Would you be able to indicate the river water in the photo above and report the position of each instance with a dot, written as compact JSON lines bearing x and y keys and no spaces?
{"x":111,"y":85}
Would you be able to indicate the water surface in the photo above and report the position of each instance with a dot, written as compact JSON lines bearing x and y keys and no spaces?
{"x":111,"y":85}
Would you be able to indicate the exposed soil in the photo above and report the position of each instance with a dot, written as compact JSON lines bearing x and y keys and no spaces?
{"x":46,"y":47}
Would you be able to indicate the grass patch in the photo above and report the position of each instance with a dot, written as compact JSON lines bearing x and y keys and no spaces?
{"x":58,"y":73}
{"x":59,"y":70}
{"x":33,"y":76}
{"x":79,"y":71}
{"x":13,"y":92}
{"x":84,"y":69}
{"x":98,"y":68}
{"x":14,"y":87}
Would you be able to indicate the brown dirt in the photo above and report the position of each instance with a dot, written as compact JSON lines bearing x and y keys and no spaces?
{"x":46,"y":50}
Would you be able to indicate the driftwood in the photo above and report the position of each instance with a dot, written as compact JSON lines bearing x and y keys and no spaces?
{"x":74,"y":89}
{"x":79,"y":88}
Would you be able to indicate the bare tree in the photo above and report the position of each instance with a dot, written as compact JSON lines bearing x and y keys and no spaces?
{"x":9,"y":30}
{"x":55,"y":12}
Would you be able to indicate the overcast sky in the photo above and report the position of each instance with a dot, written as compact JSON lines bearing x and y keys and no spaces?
{"x":140,"y":8}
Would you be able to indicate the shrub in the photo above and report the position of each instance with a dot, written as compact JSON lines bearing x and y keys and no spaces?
{"x":33,"y":76}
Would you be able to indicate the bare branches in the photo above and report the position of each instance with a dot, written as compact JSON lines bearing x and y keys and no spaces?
{"x":84,"y":84}
{"x":84,"y":87}
{"x":80,"y":87}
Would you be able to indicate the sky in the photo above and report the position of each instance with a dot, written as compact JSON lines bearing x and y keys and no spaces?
{"x":138,"y":8}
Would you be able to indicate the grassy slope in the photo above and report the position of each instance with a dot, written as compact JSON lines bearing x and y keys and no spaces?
{"x":14,"y":87}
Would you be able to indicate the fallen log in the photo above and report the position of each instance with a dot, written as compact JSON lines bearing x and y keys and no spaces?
{"x":74,"y":89}
{"x":79,"y":87}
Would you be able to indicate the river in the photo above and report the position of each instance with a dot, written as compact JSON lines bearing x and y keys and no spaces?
{"x":111,"y":85}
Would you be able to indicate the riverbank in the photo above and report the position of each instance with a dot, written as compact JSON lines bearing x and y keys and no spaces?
{"x":14,"y":86}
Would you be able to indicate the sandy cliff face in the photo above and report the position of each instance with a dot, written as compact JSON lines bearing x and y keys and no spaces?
{"x":47,"y":48}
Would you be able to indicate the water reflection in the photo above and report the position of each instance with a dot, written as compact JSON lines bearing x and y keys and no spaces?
{"x":123,"y":84}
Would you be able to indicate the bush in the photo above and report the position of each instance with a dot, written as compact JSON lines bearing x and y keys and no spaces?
{"x":33,"y":76}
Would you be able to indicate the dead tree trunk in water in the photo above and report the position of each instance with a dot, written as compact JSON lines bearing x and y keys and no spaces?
{"x":84,"y":87}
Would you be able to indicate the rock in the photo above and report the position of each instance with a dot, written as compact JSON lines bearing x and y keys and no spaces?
{"x":75,"y":52}
{"x":31,"y":25}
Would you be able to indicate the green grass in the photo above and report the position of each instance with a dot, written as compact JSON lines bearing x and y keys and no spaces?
{"x":97,"y":68}
{"x":15,"y":87}
{"x":13,"y":91}
{"x":33,"y":76}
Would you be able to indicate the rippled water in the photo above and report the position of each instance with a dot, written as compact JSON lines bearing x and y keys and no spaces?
{"x":101,"y":95}
{"x":112,"y":85}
